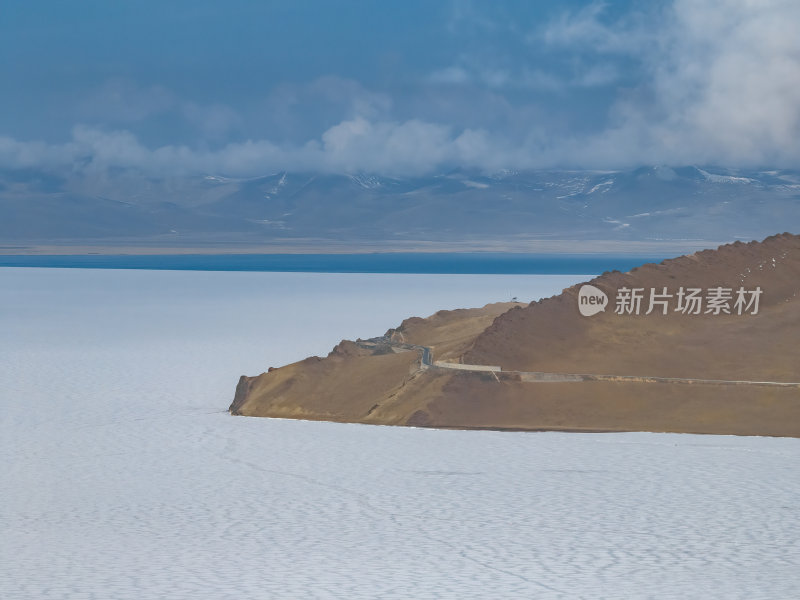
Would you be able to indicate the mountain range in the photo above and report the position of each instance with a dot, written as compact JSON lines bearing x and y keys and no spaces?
{"x":686,"y":207}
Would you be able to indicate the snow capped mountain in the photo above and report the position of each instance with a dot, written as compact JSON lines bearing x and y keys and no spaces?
{"x":648,"y":203}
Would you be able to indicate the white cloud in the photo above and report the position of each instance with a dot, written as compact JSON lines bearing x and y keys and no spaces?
{"x":400,"y":148}
{"x":343,"y":97}
{"x":215,"y":121}
{"x":123,"y":102}
{"x":733,"y":76}
{"x":412,"y":146}
{"x":721,"y":85}
{"x":23,"y":155}
{"x":585,"y":29}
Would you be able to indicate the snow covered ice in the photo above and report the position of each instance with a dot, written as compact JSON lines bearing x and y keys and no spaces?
{"x":124,"y":476}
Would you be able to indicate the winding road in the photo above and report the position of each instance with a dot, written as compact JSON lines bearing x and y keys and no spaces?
{"x":426,"y":362}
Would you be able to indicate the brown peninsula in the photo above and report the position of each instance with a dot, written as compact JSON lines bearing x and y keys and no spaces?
{"x":544,"y":366}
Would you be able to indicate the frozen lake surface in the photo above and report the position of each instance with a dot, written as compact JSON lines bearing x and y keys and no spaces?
{"x":124,"y":477}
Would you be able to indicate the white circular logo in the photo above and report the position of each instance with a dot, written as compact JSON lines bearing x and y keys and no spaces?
{"x":591,"y":300}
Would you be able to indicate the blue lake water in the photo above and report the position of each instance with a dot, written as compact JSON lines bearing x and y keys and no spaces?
{"x":401,"y":262}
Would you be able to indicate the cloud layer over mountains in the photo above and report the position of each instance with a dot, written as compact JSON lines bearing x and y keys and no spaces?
{"x":591,"y":86}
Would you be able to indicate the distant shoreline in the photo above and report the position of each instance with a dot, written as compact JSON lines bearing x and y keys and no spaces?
{"x":510,"y":244}
{"x":463,"y":263}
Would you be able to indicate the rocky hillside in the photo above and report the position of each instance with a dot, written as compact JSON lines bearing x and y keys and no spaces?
{"x":710,"y":346}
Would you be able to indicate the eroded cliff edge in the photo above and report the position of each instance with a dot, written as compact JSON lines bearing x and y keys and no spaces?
{"x":666,"y":362}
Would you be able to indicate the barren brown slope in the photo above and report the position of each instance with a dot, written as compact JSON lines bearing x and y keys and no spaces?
{"x":551,"y":335}
{"x":477,"y":401}
{"x":377,"y":385}
{"x":450,"y":333}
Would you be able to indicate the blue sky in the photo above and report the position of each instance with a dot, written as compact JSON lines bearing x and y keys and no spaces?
{"x":398,"y":87}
